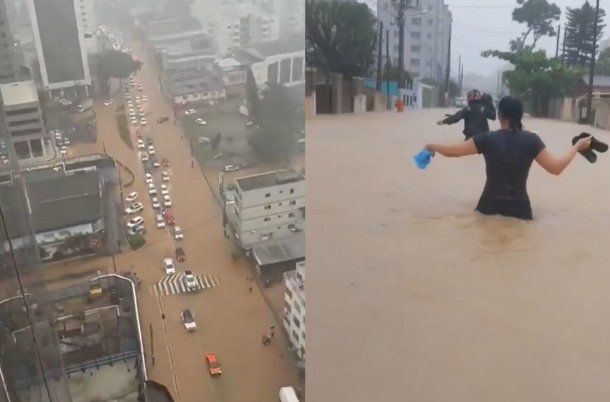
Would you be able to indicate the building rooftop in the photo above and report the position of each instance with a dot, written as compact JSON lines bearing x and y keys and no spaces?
{"x":259,"y":52}
{"x":179,"y":36}
{"x":18,"y":93}
{"x":269,"y":179}
{"x":290,"y":248}
{"x":228,"y":64}
{"x":52,"y":204}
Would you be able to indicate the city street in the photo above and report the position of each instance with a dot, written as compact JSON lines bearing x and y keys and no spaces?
{"x":230,"y":318}
{"x":451,"y":305}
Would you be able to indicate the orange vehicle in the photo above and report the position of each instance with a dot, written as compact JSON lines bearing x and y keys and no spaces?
{"x":213,"y":364}
{"x":169,"y":217}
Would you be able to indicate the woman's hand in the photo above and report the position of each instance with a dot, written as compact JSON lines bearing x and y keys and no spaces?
{"x":430,"y":148}
{"x":583,"y":144}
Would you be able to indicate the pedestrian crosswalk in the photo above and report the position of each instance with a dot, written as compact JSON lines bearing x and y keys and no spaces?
{"x":176,"y":284}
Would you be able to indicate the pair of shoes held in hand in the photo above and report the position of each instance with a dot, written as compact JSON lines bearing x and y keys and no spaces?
{"x":596,"y":146}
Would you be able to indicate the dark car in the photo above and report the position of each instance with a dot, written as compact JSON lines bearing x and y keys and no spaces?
{"x":162,"y":120}
{"x":180,"y":254}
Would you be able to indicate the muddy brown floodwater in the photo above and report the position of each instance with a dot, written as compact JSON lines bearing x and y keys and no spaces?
{"x":413,"y":296}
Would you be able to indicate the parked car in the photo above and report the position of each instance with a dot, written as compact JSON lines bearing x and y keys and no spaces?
{"x":164,"y":189}
{"x":249,"y":123}
{"x":189,"y":112}
{"x":63,"y":150}
{"x":168,"y":266}
{"x":135,"y":221}
{"x":134,"y":208}
{"x":143,"y":156}
{"x":169,"y":217}
{"x":188,"y":319}
{"x":213,"y":364}
{"x":139,"y":229}
{"x":131,"y":197}
{"x":231,"y":168}
{"x":165,"y":162}
{"x":155,"y":203}
{"x":160,"y":221}
{"x":149,"y":178}
{"x":165,"y":175}
{"x":203,"y":140}
{"x":156,"y":163}
{"x":151,"y":149}
{"x":152,"y":191}
{"x":108,"y":102}
{"x":178,"y":235}
{"x":189,"y":280}
{"x":180,"y":254}
{"x":143,"y":121}
{"x":201,"y":122}
{"x":167,"y":201}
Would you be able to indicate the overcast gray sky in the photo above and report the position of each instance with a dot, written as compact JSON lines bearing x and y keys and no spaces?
{"x":487,"y":24}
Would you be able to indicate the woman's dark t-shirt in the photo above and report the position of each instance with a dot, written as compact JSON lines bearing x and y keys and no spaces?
{"x":508,"y":157}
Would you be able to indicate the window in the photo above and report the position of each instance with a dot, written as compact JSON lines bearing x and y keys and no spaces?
{"x":415,"y":62}
{"x":291,"y":215}
{"x":287,"y":307}
{"x":415,"y":49}
{"x":289,"y":293}
{"x":296,"y":322}
{"x":36,"y":147}
{"x":415,"y":21}
{"x":295,"y":335}
{"x":292,"y":191}
{"x":267,"y":219}
{"x":415,"y":35}
{"x":297,"y":307}
{"x":267,"y":195}
{"x":267,"y":207}
{"x":293,"y":202}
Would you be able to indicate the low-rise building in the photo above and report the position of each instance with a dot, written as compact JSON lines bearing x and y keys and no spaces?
{"x":234,"y":76}
{"x":22,"y":122}
{"x":267,"y":206}
{"x":196,"y":88}
{"x":294,"y":308}
{"x":278,"y":62}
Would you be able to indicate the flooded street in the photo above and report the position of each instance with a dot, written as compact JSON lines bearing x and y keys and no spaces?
{"x":452,"y":305}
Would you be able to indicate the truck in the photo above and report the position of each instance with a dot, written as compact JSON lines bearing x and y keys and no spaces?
{"x":287,"y":394}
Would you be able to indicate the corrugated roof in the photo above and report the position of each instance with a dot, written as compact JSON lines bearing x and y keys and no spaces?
{"x":290,"y":248}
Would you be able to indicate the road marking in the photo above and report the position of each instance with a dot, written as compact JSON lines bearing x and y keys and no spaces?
{"x":175,"y":284}
{"x":206,"y":281}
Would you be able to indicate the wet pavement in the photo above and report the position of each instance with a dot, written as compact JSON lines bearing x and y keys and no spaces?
{"x":414,"y":296}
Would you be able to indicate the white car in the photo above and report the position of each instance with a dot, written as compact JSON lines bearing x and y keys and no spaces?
{"x":66,"y":141}
{"x":164,"y":190}
{"x":144,"y":157}
{"x":178,"y":235}
{"x":135,"y":221}
{"x":167,"y":202}
{"x":168,"y":265}
{"x":139,"y":229}
{"x":134,"y":208}
{"x":165,"y":176}
{"x":140,"y":88}
{"x":131,"y":197}
{"x":63,"y":150}
{"x":108,"y":102}
{"x":189,"y":320}
{"x":143,"y":121}
{"x":189,"y":112}
{"x":160,"y":221}
{"x":127,"y":96}
{"x":156,"y":163}
{"x":201,"y":122}
{"x":151,"y":150}
{"x":144,"y":98}
{"x":231,"y":168}
{"x":134,"y":121}
{"x":155,"y":203}
{"x":141,"y":144}
{"x":249,"y":123}
{"x":149,"y":179}
{"x":190,"y":281}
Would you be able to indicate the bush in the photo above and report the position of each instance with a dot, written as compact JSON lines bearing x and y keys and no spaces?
{"x":123,"y":127}
{"x":136,"y":241}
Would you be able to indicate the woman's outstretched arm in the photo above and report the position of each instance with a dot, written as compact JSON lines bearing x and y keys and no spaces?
{"x":464,"y":148}
{"x":557,"y":164}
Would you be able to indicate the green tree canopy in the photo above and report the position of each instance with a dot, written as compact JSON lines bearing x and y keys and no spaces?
{"x":340,"y":37}
{"x":116,"y":64}
{"x":538,"y":16}
{"x":536,"y":79}
{"x":579,"y":34}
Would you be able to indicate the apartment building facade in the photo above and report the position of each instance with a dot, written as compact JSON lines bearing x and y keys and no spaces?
{"x":267,"y":206}
{"x":294,"y":308}
{"x":22,"y":122}
{"x":426,"y":41}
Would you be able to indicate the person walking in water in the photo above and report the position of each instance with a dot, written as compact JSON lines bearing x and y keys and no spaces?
{"x":509,"y":153}
{"x":480,"y":108}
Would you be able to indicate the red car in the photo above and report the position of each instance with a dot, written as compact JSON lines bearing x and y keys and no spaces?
{"x":213,"y":364}
{"x":169,"y":217}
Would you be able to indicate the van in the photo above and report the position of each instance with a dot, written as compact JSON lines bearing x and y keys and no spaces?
{"x":287,"y":394}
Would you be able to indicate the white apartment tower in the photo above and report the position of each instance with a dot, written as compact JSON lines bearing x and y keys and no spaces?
{"x":292,"y":17}
{"x":427,"y":34}
{"x":267,"y":206}
{"x":294,"y":308}
{"x":59,"y":39}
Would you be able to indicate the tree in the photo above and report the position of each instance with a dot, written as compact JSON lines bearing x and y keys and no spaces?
{"x":116,"y":64}
{"x":538,"y":16}
{"x":536,"y":78}
{"x":252,"y":94}
{"x":400,"y":10}
{"x":579,"y":34}
{"x":340,"y":37}
{"x":281,"y":116}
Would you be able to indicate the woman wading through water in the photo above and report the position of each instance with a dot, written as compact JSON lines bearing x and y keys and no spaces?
{"x":509,"y":153}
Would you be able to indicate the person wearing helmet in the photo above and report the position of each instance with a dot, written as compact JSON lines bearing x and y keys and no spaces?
{"x":475,"y":115}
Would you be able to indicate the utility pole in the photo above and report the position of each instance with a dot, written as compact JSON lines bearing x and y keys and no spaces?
{"x":379,"y":54}
{"x":448,"y":72}
{"x":592,"y":66}
{"x":557,"y":46}
{"x":563,"y":50}
{"x":387,"y":68}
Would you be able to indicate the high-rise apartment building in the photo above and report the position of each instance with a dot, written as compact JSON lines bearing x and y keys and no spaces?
{"x":294,"y":308}
{"x":426,"y":41}
{"x":59,"y":39}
